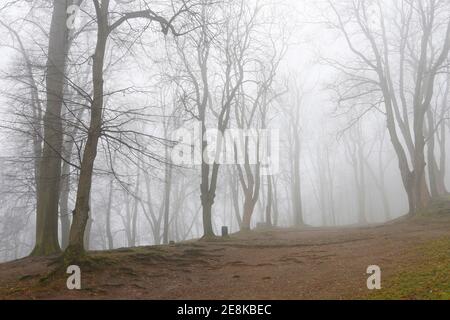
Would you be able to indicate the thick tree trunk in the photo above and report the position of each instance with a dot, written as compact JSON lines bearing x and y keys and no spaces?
{"x":87,"y":234}
{"x":249,"y":207}
{"x":157,"y":235}
{"x":408,"y":176}
{"x":50,"y":163}
{"x":251,"y":187}
{"x":207,"y":188}
{"x":207,"y":202}
{"x":421,"y":195}
{"x":251,"y":196}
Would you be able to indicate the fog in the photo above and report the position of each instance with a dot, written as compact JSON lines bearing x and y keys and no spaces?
{"x":355,"y":92}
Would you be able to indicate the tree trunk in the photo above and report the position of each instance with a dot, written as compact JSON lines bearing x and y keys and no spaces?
{"x":234,"y":186}
{"x":134,"y":213}
{"x":87,"y":234}
{"x":167,"y":190}
{"x":296,"y":187}
{"x":275,"y":204}
{"x":382,"y":184}
{"x":64,"y":205}
{"x":442,"y":189}
{"x":269,"y":201}
{"x":436,"y":178}
{"x":249,"y":206}
{"x":50,"y":163}
{"x":207,"y":191}
{"x":421,"y":195}
{"x":81,"y":212}
{"x":109,"y":235}
{"x":207,"y":202}
{"x":65,"y":182}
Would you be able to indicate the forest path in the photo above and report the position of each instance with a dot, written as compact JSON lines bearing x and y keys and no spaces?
{"x":316,"y":263}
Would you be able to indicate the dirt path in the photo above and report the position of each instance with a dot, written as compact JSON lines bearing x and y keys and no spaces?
{"x":278,"y":264}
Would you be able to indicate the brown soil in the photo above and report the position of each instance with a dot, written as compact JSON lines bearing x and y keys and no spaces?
{"x":314,"y":263}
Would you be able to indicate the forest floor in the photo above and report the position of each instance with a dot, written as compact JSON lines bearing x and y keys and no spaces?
{"x":313,"y":263}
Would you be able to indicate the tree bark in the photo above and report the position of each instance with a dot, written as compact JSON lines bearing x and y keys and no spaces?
{"x":249,"y":206}
{"x":81,"y":212}
{"x":50,"y":163}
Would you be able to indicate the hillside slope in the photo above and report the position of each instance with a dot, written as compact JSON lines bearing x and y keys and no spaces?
{"x":318,"y":263}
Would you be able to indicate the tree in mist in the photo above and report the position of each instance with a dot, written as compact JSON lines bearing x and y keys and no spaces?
{"x":220,"y":46}
{"x":383,"y":38}
{"x":104,"y":28}
{"x":293,"y":113}
{"x":436,"y":132}
{"x":46,"y":123}
{"x":252,"y":111}
{"x":50,"y":163}
{"x":90,"y":112}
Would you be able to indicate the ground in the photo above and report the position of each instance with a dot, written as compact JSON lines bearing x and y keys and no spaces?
{"x":312,"y":263}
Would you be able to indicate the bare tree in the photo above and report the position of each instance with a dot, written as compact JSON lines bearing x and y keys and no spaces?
{"x":50,"y":162}
{"x":104,"y":28}
{"x":418,"y":20}
{"x":436,"y":119}
{"x":293,"y":112}
{"x":229,"y":41}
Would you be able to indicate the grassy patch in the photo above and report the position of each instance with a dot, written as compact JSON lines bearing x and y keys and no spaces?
{"x":437,"y":207}
{"x":429,"y":279}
